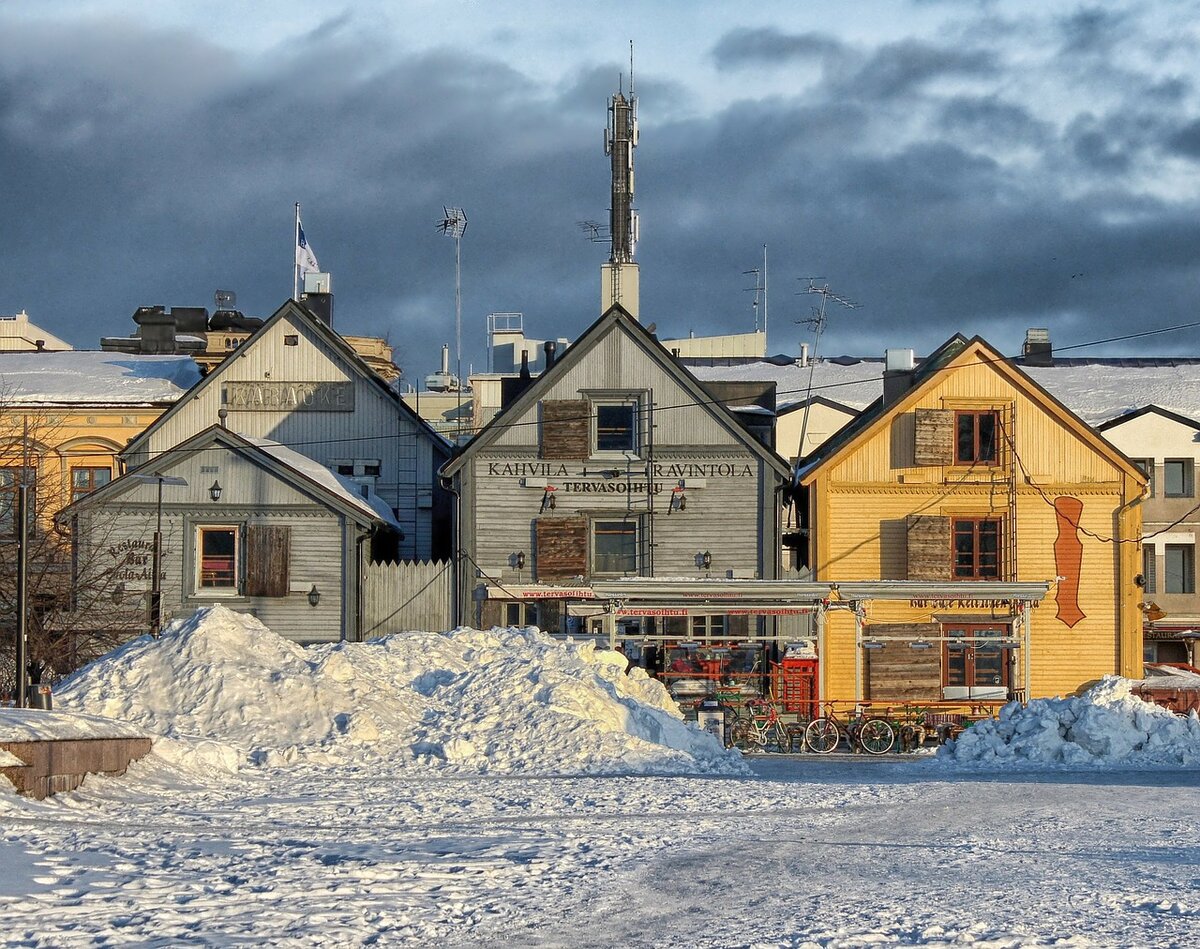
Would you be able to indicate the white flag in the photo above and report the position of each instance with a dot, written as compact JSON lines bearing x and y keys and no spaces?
{"x":306,"y":260}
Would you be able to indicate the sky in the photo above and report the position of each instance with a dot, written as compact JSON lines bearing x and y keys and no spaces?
{"x":946,"y":165}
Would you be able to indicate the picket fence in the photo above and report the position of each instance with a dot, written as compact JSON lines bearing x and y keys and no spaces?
{"x":406,"y":595}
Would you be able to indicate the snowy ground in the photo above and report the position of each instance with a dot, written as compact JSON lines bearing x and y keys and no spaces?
{"x":806,"y":852}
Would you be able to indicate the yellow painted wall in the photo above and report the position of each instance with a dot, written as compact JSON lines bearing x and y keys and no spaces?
{"x":860,"y":499}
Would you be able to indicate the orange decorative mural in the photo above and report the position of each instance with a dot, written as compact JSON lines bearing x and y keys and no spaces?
{"x":1068,"y":559}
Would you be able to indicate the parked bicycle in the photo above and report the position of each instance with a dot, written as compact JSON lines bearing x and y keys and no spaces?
{"x":874,"y":735}
{"x":763,"y":730}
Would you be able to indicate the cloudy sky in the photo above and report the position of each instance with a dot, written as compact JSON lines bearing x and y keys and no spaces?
{"x":955,"y":166}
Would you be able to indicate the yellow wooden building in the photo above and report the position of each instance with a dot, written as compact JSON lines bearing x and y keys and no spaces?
{"x":968,"y":472}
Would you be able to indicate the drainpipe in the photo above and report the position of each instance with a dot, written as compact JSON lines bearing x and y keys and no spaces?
{"x":456,"y":561}
{"x":358,"y":584}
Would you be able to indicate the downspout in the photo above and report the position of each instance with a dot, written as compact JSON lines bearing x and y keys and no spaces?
{"x":1128,"y":664}
{"x":358,"y":584}
{"x":456,"y":560}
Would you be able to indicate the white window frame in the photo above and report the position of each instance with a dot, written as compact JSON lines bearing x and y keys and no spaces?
{"x":239,"y":573}
{"x":635,"y":402}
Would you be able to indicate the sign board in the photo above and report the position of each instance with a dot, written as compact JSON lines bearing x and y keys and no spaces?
{"x":289,"y":396}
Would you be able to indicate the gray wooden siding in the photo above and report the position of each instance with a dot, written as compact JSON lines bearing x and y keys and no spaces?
{"x":406,"y":596}
{"x":619,"y":362}
{"x":375,"y":430}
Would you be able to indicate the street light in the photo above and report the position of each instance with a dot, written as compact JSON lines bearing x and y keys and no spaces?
{"x":156,"y":578}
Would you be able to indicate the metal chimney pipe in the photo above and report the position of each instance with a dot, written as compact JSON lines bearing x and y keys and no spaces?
{"x":551,"y":348}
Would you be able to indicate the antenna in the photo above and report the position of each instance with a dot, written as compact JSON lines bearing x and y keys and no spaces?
{"x":759,"y":290}
{"x":225,"y":300}
{"x":817,"y":322}
{"x":454,"y":224}
{"x":631,"y":69}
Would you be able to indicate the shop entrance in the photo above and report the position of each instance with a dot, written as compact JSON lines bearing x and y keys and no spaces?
{"x":975,"y":661}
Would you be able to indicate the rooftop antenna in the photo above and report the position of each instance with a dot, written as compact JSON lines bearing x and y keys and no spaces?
{"x":817,"y":322}
{"x":454,"y":224}
{"x":760,"y":291}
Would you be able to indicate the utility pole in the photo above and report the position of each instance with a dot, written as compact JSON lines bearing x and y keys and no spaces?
{"x":22,"y":590}
{"x":454,"y":224}
{"x":817,"y":322}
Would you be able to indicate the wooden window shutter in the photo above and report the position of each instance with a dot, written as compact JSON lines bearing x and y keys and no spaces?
{"x":928,"y":547}
{"x":562,"y":548}
{"x":899,"y":673}
{"x":268,"y":555}
{"x":566,"y":429}
{"x":934,"y":437}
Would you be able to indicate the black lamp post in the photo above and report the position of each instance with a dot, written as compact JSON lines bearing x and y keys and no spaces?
{"x":156,"y":577}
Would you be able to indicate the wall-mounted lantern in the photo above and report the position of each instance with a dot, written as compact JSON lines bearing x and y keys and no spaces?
{"x":705,"y":559}
{"x":314,"y":596}
{"x":214,"y":492}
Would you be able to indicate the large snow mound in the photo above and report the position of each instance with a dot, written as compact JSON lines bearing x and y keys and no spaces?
{"x":1106,"y":727}
{"x":497,"y":701}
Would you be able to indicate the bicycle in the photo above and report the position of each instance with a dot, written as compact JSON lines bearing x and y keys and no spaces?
{"x":762,"y":730}
{"x":873,"y":735}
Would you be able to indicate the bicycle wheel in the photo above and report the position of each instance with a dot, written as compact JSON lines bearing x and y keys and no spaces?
{"x":876,"y":736}
{"x":739,"y":736}
{"x":822,"y":735}
{"x":776,"y":739}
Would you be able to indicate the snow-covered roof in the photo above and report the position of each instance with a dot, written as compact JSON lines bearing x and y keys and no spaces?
{"x":94,"y":378}
{"x":347,"y":489}
{"x":1094,"y":389}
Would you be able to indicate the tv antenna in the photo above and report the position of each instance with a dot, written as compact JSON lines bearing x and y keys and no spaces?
{"x":595,"y":232}
{"x":454,"y":224}
{"x":760,"y":291}
{"x":817,"y":321}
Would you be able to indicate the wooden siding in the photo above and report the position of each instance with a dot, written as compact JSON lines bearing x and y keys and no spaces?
{"x":933,"y":437}
{"x":560,"y":548}
{"x":898,"y":673}
{"x":375,"y":430}
{"x":397,"y":597}
{"x":928,"y":547}
{"x":566,"y":429}
{"x":268,"y":555}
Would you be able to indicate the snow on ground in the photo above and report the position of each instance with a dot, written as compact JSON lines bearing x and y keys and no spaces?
{"x":1107,"y":727}
{"x":24,"y":724}
{"x":808,"y":852}
{"x":503,"y":700}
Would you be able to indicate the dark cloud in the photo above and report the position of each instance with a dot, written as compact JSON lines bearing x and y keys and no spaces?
{"x":744,"y":47}
{"x":149,"y":167}
{"x":1094,"y":30}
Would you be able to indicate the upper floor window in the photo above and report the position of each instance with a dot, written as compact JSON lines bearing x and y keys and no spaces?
{"x":85,"y":480}
{"x":10,"y":481}
{"x":976,"y":543}
{"x":975,"y":437}
{"x":1146,"y":466}
{"x":1180,"y":563}
{"x":1179,"y":477}
{"x":616,"y":426}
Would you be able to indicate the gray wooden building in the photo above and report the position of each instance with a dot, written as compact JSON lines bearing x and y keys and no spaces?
{"x":254,"y":526}
{"x":616,"y":462}
{"x":297,"y":382}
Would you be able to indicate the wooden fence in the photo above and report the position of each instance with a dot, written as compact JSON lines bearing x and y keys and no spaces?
{"x":406,"y":595}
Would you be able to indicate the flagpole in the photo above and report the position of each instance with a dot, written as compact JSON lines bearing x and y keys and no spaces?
{"x":295,"y":261}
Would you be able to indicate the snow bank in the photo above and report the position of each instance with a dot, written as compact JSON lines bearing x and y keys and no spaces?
{"x":1107,"y":727}
{"x":498,"y":701}
{"x":24,"y":724}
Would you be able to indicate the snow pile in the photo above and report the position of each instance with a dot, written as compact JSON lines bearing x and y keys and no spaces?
{"x":25,"y":724}
{"x":500,"y":701}
{"x":1106,"y":727}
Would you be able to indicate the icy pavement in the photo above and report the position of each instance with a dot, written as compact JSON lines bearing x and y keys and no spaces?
{"x":807,"y":853}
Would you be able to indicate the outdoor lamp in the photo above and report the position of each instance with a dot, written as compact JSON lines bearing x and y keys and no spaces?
{"x":519,"y":560}
{"x":920,"y":644}
{"x":215,"y":491}
{"x":314,"y":596}
{"x":873,"y":644}
{"x":118,"y":593}
{"x":706,"y":559}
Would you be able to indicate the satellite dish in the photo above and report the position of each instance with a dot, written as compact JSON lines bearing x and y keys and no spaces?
{"x":225,"y":300}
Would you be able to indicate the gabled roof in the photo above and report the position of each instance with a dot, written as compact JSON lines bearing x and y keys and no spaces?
{"x":291,"y":467}
{"x":614,"y":317}
{"x":818,"y":400}
{"x":946,"y":356}
{"x":324,"y":331}
{"x":1148,"y":410}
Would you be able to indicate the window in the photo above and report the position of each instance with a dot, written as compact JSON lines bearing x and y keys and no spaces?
{"x":217,"y":564}
{"x":975,"y":437}
{"x":86,"y":480}
{"x":363,"y":470}
{"x":614,"y":547}
{"x":976,"y":548}
{"x":1180,"y":564}
{"x":1149,"y":569}
{"x":1178,"y":478}
{"x":520,"y":614}
{"x":1147,"y":468}
{"x":616,"y":427}
{"x":10,"y":482}
{"x":974,"y":662}
{"x":707,"y":628}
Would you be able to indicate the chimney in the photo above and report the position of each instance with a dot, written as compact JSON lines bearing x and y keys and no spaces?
{"x":1037,"y":349}
{"x":524,"y":363}
{"x":445,"y":359}
{"x":551,"y":348}
{"x":317,"y":295}
{"x":511,"y":387}
{"x":39,"y":345}
{"x":898,"y":365}
{"x":804,"y":355}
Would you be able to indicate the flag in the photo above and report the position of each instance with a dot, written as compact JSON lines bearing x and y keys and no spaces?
{"x":306,"y":260}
